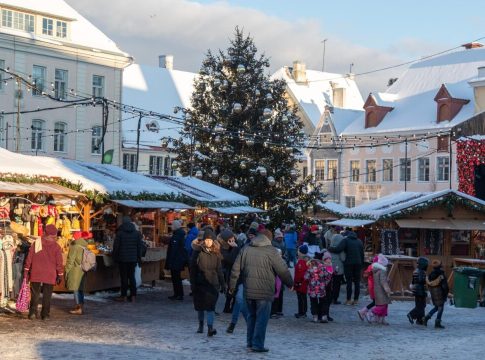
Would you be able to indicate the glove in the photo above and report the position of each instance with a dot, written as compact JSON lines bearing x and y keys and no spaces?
{"x":58,"y":280}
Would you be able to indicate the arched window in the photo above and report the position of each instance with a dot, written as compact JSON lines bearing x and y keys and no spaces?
{"x":60,"y":136}
{"x":37,"y":139}
{"x":444,"y":112}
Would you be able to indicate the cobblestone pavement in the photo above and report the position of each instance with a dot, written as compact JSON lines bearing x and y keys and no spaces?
{"x":156,"y":328}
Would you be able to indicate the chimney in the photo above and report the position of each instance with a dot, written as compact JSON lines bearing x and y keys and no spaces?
{"x":299,"y":72}
{"x":472,"y":45}
{"x":165,"y":61}
{"x":478,"y":86}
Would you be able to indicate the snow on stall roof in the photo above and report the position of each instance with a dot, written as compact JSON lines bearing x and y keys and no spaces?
{"x":92,"y":176}
{"x":415,"y":90}
{"x":237,"y":210}
{"x":200,"y":190}
{"x":333,"y":207}
{"x":159,"y":90}
{"x":82,"y":32}
{"x":317,"y":92}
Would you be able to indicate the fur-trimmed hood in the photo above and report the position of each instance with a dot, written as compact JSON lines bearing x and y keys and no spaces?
{"x":376,"y":267}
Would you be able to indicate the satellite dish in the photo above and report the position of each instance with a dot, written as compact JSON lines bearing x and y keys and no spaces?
{"x":153,"y":126}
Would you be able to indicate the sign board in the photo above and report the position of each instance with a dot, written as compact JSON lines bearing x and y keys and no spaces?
{"x":389,"y":242}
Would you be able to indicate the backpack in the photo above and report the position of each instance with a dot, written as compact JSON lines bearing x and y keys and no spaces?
{"x":88,"y":262}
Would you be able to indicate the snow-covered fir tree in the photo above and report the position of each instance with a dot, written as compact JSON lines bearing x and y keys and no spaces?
{"x":241,"y":133}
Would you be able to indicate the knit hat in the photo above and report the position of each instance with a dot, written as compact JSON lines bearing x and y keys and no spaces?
{"x":50,"y":230}
{"x":254,"y":225}
{"x":208,"y":233}
{"x":326,"y":255}
{"x":303,"y":249}
{"x":318,"y":256}
{"x":77,"y":235}
{"x":381,"y":259}
{"x":314,"y":228}
{"x":436,"y":263}
{"x":226,"y":234}
{"x":267,"y":233}
{"x":278,"y":233}
{"x":261,"y":227}
{"x":86,"y":235}
{"x":176,"y":224}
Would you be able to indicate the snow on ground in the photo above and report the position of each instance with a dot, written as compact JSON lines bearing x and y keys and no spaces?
{"x":156,"y":328}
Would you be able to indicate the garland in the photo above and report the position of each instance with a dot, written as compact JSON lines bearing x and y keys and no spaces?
{"x":469,"y":154}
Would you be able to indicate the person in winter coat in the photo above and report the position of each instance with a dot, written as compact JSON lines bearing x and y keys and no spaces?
{"x":277,"y":305}
{"x":438,"y":288}
{"x":241,"y":236}
{"x":318,"y":278}
{"x":301,"y":284}
{"x":127,"y":249}
{"x":206,"y":278}
{"x":278,"y":242}
{"x":327,"y":300}
{"x":43,"y":268}
{"x":305,"y":230}
{"x":75,"y":276}
{"x":338,"y":267}
{"x":258,"y":264}
{"x":329,"y":235}
{"x":176,"y":259}
{"x":419,"y":291}
{"x":382,"y":291}
{"x":229,"y":252}
{"x":191,"y":236}
{"x":368,"y":274}
{"x":291,"y":240}
{"x":313,"y":240}
{"x":354,"y":260}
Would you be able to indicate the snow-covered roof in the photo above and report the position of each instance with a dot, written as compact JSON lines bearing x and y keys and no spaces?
{"x":159,"y":90}
{"x":82,"y":32}
{"x":333,"y":207}
{"x":201,"y":190}
{"x":317,"y":92}
{"x":342,"y":118}
{"x":472,"y":137}
{"x":101,"y":177}
{"x":237,"y":210}
{"x":153,"y":204}
{"x":412,"y":95}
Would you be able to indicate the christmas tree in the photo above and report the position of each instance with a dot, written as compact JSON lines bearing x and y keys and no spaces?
{"x":241,"y":133}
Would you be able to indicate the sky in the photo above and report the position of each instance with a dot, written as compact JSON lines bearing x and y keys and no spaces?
{"x":370,"y":35}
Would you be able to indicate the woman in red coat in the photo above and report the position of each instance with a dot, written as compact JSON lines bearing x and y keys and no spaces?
{"x":370,"y":288}
{"x":43,"y":268}
{"x":301,"y":283}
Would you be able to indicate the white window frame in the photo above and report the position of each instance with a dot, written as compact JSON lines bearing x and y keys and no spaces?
{"x":331,"y":176}
{"x":61,"y":29}
{"x":368,"y":177}
{"x":319,"y":172}
{"x":96,"y":136}
{"x":167,"y":164}
{"x":156,"y":165}
{"x":440,"y":175}
{"x":423,"y":169}
{"x":47,"y":26}
{"x":39,"y":81}
{"x":37,"y":135}
{"x":129,"y":162}
{"x":60,"y":129}
{"x":98,"y":89}
{"x":60,"y":83}
{"x":402,"y":168}
{"x":7,"y":18}
{"x":352,"y":175}
{"x":389,"y":169}
{"x":18,"y":20}
{"x":350,"y":201}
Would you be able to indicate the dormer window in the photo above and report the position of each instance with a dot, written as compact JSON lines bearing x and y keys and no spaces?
{"x":447,"y":105}
{"x":47,"y":26}
{"x":17,"y":20}
{"x":374,"y":113}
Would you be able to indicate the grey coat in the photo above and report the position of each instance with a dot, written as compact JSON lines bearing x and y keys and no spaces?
{"x":338,"y":258}
{"x":258,"y":264}
{"x":382,"y":290}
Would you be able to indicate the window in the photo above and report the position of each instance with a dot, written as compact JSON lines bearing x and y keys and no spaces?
{"x":166,"y":166}
{"x":129,"y":162}
{"x":173,"y":172}
{"x":305,"y":172}
{"x":61,"y":29}
{"x":404,"y":169}
{"x":60,"y":136}
{"x":39,"y":76}
{"x":332,"y":169}
{"x":96,"y":136}
{"x":17,"y":20}
{"x":387,"y":169}
{"x":60,"y":84}
{"x":156,"y":165}
{"x":7,"y":18}
{"x":354,"y":170}
{"x":319,"y":170}
{"x":370,"y":170}
{"x":443,"y":168}
{"x":2,"y":66}
{"x":37,"y":135}
{"x":423,"y":169}
{"x":47,"y":26}
{"x":98,"y":86}
{"x":350,"y":201}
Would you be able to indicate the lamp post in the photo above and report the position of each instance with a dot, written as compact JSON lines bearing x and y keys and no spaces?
{"x":323,"y":57}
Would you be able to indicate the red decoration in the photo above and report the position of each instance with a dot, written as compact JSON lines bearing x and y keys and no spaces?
{"x":470,"y":153}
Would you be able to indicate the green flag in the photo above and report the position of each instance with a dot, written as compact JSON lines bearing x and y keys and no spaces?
{"x":108,"y":156}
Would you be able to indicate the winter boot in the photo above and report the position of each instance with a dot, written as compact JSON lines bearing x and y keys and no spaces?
{"x":370,"y":317}
{"x":362,"y":312}
{"x":200,"y":329}
{"x":437,"y":324}
{"x":211,"y":331}
{"x":426,"y":319}
{"x":324,"y":319}
{"x":315,"y":319}
{"x":230,"y":328}
{"x":78,"y":310}
{"x":410,"y":318}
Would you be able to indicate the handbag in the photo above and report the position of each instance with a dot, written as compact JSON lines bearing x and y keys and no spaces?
{"x":23,"y":300}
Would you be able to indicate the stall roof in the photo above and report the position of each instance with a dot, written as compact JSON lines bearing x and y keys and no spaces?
{"x":237,"y":210}
{"x":36,"y":188}
{"x":350,"y":222}
{"x":450,"y":224}
{"x":148,"y":204}
{"x":333,"y":207}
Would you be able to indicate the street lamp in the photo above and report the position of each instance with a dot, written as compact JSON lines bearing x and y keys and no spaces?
{"x":323,"y":57}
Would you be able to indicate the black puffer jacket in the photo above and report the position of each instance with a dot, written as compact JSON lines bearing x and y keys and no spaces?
{"x":438,"y":286}
{"x":128,"y":243}
{"x":353,"y":248}
{"x":177,"y":256}
{"x":258,"y":263}
{"x":419,"y":278}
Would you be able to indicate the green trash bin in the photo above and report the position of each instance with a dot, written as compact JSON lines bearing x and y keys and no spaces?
{"x":466,"y":286}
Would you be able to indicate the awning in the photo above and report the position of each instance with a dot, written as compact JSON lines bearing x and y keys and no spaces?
{"x":446,"y":224}
{"x":36,"y":188}
{"x":237,"y":210}
{"x":350,"y":222}
{"x":148,"y":204}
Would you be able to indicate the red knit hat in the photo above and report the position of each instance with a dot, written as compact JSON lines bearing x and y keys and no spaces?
{"x":86,"y":235}
{"x":77,"y":235}
{"x":314,"y":228}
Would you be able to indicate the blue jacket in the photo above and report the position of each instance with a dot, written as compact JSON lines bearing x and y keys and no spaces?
{"x":191,"y":236}
{"x":291,"y":238}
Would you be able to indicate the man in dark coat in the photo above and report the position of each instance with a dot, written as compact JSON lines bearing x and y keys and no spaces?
{"x":176,"y":259}
{"x":419,"y":292}
{"x":258,"y":264}
{"x":127,"y":248}
{"x":354,"y":261}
